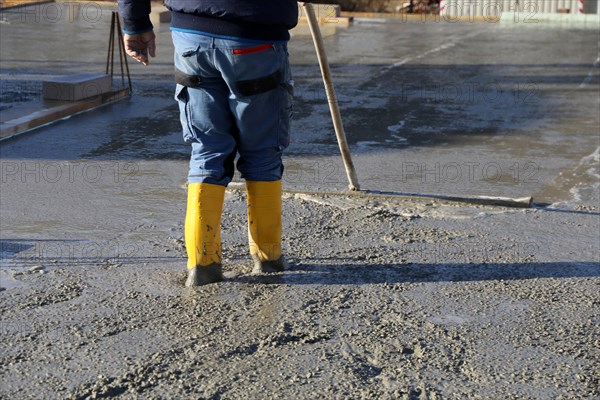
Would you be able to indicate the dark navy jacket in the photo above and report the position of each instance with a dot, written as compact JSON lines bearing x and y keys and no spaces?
{"x":246,"y":19}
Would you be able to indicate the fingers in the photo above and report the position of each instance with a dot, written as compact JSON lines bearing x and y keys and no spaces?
{"x":137,"y":54}
{"x":138,"y":46}
{"x":149,"y":41}
{"x":152,"y":48}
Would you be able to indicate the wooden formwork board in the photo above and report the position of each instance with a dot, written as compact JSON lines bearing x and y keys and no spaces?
{"x":29,"y":116}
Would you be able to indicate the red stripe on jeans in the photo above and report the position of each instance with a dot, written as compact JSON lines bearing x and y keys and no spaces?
{"x":250,"y":50}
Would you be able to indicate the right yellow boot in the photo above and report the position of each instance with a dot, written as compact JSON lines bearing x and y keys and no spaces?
{"x":264,"y":225}
{"x":203,"y":233}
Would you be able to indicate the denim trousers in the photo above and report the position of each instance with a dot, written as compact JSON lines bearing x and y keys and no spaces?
{"x":235,"y":101}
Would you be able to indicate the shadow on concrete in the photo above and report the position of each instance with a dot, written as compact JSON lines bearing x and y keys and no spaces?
{"x":329,"y":271}
{"x":361,"y":274}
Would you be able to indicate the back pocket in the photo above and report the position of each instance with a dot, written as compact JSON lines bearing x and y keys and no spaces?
{"x":254,"y":62}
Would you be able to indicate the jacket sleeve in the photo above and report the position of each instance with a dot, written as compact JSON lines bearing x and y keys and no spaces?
{"x":135,"y":15}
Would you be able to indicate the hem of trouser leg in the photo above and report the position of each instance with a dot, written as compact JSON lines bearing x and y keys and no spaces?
{"x":269,"y":175}
{"x":262,"y":180}
{"x":210,"y":181}
{"x":274,"y":173}
{"x":204,"y":183}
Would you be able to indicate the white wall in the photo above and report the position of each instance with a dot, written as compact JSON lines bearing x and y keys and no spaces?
{"x":491,"y":8}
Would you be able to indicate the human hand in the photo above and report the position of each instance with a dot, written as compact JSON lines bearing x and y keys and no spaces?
{"x":139,"y":45}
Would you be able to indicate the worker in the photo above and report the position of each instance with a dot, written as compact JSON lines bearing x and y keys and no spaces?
{"x":234,"y":89}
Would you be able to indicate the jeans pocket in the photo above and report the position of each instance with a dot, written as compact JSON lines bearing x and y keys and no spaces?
{"x":250,"y":64}
{"x":286,"y":113}
{"x":183,"y":99}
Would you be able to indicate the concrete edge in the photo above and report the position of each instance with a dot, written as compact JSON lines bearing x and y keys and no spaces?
{"x":43,"y":117}
{"x":25,"y":4}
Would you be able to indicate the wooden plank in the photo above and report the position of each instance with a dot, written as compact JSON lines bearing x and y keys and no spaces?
{"x":28,"y":117}
{"x":520,"y":202}
{"x":9,"y":4}
{"x":343,"y":22}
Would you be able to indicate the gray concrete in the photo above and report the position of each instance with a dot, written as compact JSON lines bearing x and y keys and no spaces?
{"x":76,"y":87}
{"x":458,"y":114}
{"x":389,"y":299}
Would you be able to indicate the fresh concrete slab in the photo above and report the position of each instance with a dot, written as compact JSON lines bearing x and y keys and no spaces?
{"x":76,"y":87}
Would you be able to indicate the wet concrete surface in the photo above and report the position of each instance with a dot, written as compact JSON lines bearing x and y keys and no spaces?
{"x":470,"y":108}
{"x":398,"y":299}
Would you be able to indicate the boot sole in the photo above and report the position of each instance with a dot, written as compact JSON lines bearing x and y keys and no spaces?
{"x":270,"y":266}
{"x":204,"y":275}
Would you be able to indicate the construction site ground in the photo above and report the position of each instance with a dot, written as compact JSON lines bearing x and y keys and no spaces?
{"x":398,"y":298}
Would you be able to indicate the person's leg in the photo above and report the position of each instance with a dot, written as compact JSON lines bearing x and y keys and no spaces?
{"x":259,"y":79}
{"x":208,"y":125}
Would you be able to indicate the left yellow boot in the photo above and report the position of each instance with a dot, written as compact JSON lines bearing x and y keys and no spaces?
{"x":264,"y":225}
{"x":203,"y":233}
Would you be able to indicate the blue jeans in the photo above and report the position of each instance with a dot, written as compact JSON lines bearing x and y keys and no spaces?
{"x":235,"y":97}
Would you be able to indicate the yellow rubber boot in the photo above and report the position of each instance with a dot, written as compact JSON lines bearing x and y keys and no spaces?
{"x":264,"y":225}
{"x":203,"y":233}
